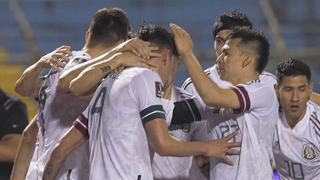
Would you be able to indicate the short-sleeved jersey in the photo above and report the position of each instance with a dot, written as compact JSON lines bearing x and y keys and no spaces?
{"x":256,"y":119}
{"x":115,"y":116}
{"x":13,"y":119}
{"x":57,"y":111}
{"x":297,"y":150}
{"x":212,"y":72}
{"x":249,"y":121}
{"x":168,"y":167}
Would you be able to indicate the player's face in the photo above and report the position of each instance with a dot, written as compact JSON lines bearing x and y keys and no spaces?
{"x":220,"y":40}
{"x":230,"y":60}
{"x":293,"y":93}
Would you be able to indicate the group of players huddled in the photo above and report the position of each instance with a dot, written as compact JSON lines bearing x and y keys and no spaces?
{"x":111,"y":111}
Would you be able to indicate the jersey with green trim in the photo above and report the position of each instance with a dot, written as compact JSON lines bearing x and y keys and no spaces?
{"x":116,"y":115}
{"x":297,"y":150}
{"x":55,"y":116}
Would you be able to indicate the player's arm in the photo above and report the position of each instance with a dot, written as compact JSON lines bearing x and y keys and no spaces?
{"x":211,"y":94}
{"x":85,"y":83}
{"x":69,"y":142}
{"x":136,"y":46}
{"x":146,"y":91}
{"x":30,"y":81}
{"x":315,"y":97}
{"x":25,"y":151}
{"x":165,"y":145}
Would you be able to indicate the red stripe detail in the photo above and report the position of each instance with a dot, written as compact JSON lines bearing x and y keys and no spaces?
{"x":241,"y":108}
{"x":79,"y":126}
{"x":246,"y":96}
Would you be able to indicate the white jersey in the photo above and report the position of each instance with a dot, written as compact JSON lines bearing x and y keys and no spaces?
{"x":116,"y":115}
{"x":56,"y":114}
{"x":297,"y":150}
{"x":177,"y":168}
{"x":256,"y":124}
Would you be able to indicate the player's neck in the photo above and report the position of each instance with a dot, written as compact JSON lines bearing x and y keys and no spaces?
{"x":99,"y":49}
{"x":294,"y":120}
{"x":94,"y":52}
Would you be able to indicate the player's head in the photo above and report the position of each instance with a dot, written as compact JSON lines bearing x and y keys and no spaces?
{"x":108,"y":27}
{"x":225,"y":24}
{"x":160,"y":37}
{"x":294,"y":87}
{"x":246,"y":51}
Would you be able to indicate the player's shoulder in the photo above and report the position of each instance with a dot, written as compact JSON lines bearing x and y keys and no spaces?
{"x":182,"y":94}
{"x":258,"y":87}
{"x":268,"y":78}
{"x":314,"y":107}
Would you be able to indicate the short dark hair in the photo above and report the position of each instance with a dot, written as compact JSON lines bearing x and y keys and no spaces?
{"x":230,"y":20}
{"x":158,"y":35}
{"x":256,"y":41}
{"x":293,"y":67}
{"x":108,"y":26}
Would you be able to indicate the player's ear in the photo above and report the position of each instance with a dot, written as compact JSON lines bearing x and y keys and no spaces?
{"x":311,"y":88}
{"x":247,"y":60}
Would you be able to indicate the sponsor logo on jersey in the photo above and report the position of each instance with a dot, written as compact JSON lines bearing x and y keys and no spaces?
{"x":309,"y":152}
{"x":159,"y":89}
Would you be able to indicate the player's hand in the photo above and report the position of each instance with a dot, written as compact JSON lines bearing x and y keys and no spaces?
{"x":220,"y":148}
{"x":182,"y":39}
{"x":129,"y":60}
{"x":138,"y":47}
{"x":57,"y":58}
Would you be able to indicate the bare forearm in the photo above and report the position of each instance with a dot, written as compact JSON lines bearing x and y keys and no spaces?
{"x":25,"y":152}
{"x":183,"y":148}
{"x":23,"y":159}
{"x":70,"y":141}
{"x":206,"y":88}
{"x":72,"y":73}
{"x":29,"y":81}
{"x":89,"y":79}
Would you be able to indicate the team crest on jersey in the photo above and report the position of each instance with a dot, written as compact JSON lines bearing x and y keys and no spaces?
{"x":159,"y":89}
{"x":309,"y":152}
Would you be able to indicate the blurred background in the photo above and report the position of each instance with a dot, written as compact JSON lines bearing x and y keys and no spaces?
{"x":32,"y":28}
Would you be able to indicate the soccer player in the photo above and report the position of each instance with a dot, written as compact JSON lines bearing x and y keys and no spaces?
{"x":108,"y":29}
{"x":297,"y":137}
{"x":224,"y":24}
{"x":125,"y":110}
{"x":249,"y":105}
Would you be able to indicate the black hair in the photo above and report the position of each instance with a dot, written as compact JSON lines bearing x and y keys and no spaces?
{"x":255,"y":41}
{"x":108,"y":26}
{"x":230,"y":20}
{"x":293,"y":67}
{"x":158,"y":35}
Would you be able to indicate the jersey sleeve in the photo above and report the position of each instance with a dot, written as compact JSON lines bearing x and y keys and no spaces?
{"x":254,"y":97}
{"x":17,"y":118}
{"x":81,"y":123}
{"x":189,"y":87}
{"x":147,"y":89}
